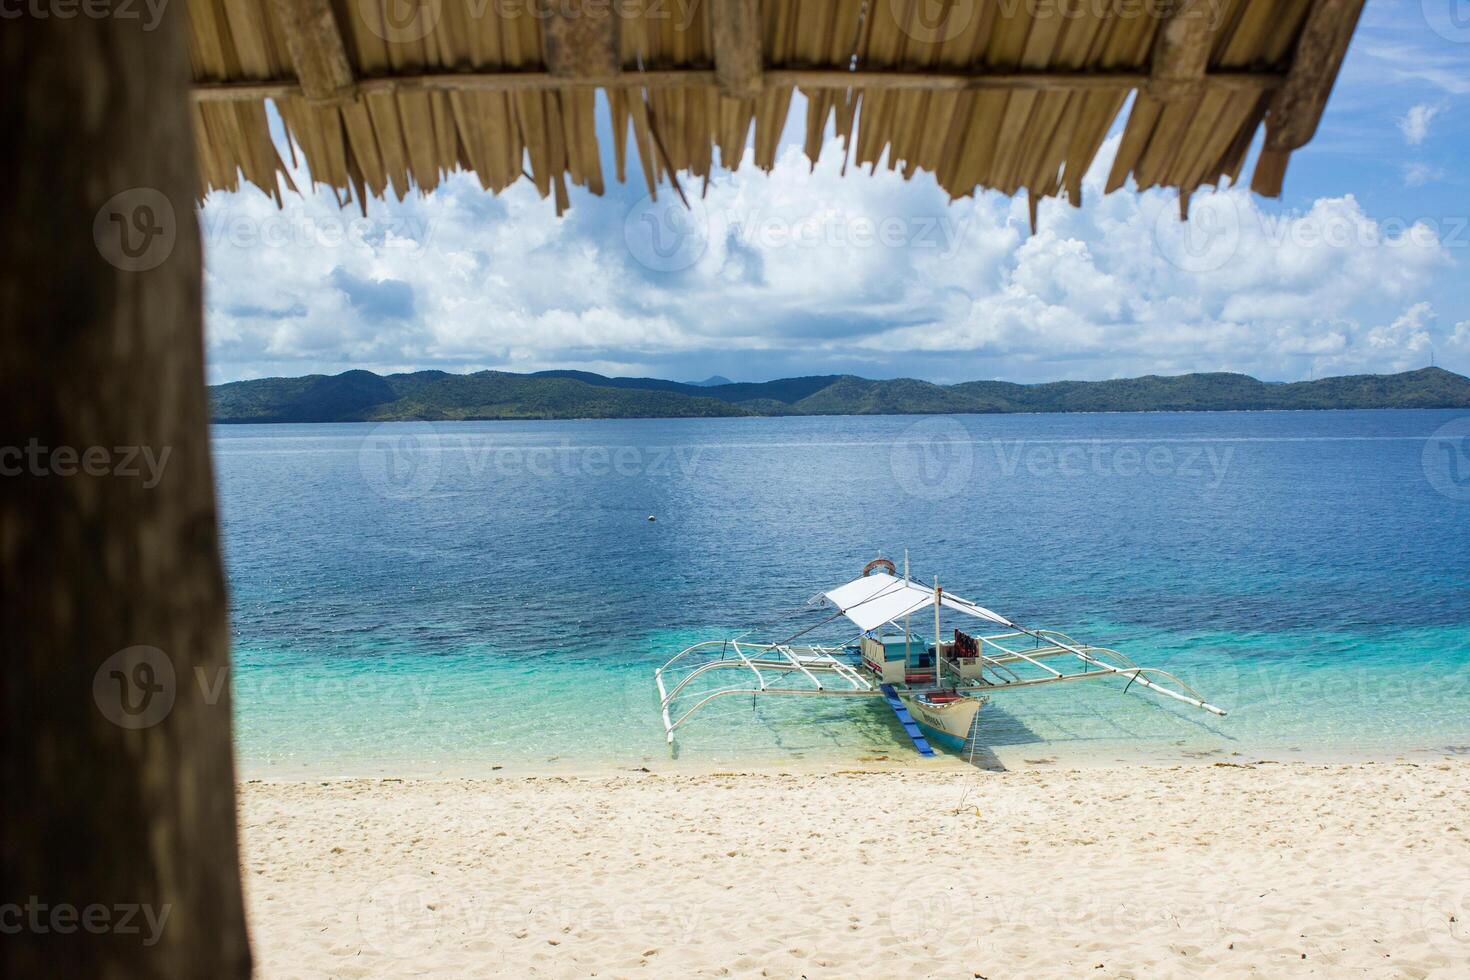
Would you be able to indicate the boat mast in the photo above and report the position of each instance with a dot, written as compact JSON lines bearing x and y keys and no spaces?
{"x":938,"y":655}
{"x":907,"y":615}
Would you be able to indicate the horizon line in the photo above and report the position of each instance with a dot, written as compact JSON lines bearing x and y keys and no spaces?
{"x":796,"y":377}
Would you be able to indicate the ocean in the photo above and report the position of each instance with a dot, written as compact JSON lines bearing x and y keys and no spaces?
{"x":426,"y":598}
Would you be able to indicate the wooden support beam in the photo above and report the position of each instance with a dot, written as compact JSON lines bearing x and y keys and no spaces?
{"x":581,"y":38}
{"x":115,"y":758}
{"x":738,"y":57}
{"x":316,"y":48}
{"x":1012,"y":81}
{"x":806,"y":78}
{"x":1296,"y":108}
{"x":1182,"y":51}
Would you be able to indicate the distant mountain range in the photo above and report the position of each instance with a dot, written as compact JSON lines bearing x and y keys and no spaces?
{"x":361,"y":396}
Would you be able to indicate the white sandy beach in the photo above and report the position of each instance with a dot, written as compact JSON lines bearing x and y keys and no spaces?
{"x":1266,"y":870}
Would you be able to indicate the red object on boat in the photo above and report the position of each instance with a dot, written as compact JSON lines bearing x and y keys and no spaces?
{"x":881,"y":565}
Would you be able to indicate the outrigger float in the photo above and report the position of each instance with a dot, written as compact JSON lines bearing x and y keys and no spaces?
{"x":936,"y":689}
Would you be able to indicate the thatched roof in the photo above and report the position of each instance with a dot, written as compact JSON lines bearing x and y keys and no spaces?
{"x":1003,"y":94}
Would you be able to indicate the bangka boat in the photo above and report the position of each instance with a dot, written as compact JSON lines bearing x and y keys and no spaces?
{"x":935,"y":688}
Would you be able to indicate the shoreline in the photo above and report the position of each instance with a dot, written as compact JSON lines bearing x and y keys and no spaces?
{"x":938,"y":768}
{"x":849,"y":415}
{"x":1277,"y":869}
{"x":901,"y":759}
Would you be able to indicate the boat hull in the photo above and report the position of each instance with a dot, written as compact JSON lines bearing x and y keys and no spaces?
{"x":948,"y":725}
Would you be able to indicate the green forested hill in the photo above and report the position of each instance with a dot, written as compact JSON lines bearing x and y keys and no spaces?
{"x":358,"y":396}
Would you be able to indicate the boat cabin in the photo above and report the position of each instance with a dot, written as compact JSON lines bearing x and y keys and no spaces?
{"x":898,"y":658}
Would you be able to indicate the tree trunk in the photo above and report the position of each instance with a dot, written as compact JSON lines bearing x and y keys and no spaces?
{"x":119,"y":855}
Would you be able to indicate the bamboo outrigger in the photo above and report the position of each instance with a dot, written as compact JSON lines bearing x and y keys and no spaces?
{"x":935,"y":689}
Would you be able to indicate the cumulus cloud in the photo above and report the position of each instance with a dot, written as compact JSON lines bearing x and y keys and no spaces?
{"x":1414,"y":124}
{"x":375,"y":300}
{"x":805,"y":270}
{"x":1455,"y":342}
{"x":1407,"y":334}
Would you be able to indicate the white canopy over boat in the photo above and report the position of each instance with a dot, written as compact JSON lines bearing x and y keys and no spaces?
{"x":881,"y":598}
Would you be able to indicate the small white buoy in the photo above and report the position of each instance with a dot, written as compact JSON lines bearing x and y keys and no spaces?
{"x":652,"y":518}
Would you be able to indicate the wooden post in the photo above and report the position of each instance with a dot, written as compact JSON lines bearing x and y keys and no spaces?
{"x":119,"y":839}
{"x":582,"y":38}
{"x":1182,"y":51}
{"x":317,"y":51}
{"x":1296,"y":107}
{"x":737,"y":38}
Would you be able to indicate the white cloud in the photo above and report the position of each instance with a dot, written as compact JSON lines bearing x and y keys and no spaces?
{"x":1100,"y":281}
{"x":1414,"y":124}
{"x":1442,"y":66}
{"x":804,"y":271}
{"x":1408,"y":334}
{"x":1459,"y":338}
{"x":1419,"y":173}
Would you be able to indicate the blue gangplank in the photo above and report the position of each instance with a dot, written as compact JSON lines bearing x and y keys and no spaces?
{"x":906,"y":720}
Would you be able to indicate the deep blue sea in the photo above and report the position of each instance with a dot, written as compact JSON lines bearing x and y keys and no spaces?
{"x":417,"y":598}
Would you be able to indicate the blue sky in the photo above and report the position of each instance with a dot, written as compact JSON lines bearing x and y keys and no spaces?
{"x":1361,"y":266}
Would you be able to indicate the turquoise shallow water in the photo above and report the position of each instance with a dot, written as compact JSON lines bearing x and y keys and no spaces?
{"x":418,"y":598}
